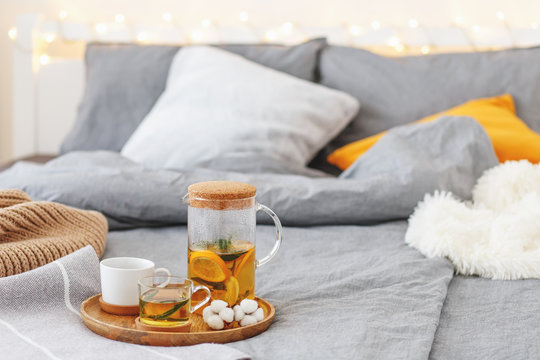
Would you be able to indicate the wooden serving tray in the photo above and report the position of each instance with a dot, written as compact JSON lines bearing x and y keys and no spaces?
{"x":123,"y":328}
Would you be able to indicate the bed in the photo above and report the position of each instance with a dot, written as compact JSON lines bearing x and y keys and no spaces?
{"x":345,"y":284}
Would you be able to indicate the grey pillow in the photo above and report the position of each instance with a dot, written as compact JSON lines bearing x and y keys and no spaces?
{"x":124,"y":81}
{"x":395,"y":91}
{"x":449,"y":154}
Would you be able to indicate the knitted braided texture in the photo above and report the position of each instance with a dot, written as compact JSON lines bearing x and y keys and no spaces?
{"x":34,"y":233}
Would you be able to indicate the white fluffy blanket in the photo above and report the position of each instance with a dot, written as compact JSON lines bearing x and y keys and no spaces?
{"x":496,"y":236}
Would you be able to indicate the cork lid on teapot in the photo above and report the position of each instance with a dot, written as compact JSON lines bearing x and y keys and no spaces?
{"x":221,"y":195}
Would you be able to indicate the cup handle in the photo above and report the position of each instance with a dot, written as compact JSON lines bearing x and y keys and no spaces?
{"x":166,"y":271}
{"x":279,"y":230}
{"x":197,"y":288}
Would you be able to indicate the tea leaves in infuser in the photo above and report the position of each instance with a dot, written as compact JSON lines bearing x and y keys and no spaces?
{"x":221,"y":244}
{"x":224,"y":244}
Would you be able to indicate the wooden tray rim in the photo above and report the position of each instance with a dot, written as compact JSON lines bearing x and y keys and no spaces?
{"x":267,"y":319}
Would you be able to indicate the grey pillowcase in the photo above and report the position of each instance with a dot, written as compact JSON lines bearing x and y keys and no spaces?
{"x":124,"y":81}
{"x":396,"y":91}
{"x":450,"y":154}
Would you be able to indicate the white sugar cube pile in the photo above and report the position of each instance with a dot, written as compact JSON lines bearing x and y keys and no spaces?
{"x":219,"y":313}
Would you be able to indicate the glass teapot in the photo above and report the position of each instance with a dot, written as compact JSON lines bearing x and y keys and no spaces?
{"x":221,"y":238}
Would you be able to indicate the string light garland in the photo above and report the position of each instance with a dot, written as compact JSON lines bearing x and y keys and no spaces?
{"x":12,"y":33}
{"x":355,"y":30}
{"x":244,"y":17}
{"x":44,"y":59}
{"x":413,"y":23}
{"x":49,"y":37}
{"x":101,"y":28}
{"x":142,"y":37}
{"x":502,"y":19}
{"x":282,"y":32}
{"x":425,"y":49}
{"x":459,"y":24}
{"x":119,"y":18}
{"x":271,"y":35}
{"x":375,"y":24}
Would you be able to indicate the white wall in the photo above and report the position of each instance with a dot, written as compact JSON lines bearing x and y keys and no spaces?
{"x":325,"y":13}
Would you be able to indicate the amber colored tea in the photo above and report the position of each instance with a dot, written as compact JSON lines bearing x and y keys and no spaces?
{"x":226,"y":267}
{"x":169,"y":306}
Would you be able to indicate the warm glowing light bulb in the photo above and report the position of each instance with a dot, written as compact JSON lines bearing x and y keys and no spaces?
{"x":500,"y":15}
{"x":49,"y":38}
{"x":413,"y":23}
{"x":119,"y":18}
{"x":459,"y":20}
{"x":44,"y":59}
{"x":376,"y":24}
{"x":12,"y":33}
{"x":142,"y":37}
{"x":393,"y":41}
{"x":196,"y":36}
{"x":425,"y":49}
{"x":355,"y":30}
{"x":287,"y":27}
{"x":101,"y":28}
{"x":206,"y":22}
{"x":270,"y":35}
{"x":399,"y":47}
{"x":166,"y":17}
{"x":534,"y":25}
{"x":476,"y":28}
{"x":244,"y":17}
{"x":62,"y":14}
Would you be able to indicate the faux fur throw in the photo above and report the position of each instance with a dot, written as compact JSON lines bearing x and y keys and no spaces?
{"x":34,"y":233}
{"x":496,"y":236}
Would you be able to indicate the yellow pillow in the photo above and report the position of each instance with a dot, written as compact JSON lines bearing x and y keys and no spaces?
{"x":510,"y":136}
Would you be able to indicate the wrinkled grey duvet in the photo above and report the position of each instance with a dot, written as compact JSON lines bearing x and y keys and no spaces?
{"x":345,"y":285}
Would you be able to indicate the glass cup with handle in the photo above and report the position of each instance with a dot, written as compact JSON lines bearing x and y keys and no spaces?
{"x":166,"y":300}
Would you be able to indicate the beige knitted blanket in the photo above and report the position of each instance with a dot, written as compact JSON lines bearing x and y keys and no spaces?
{"x":34,"y":233}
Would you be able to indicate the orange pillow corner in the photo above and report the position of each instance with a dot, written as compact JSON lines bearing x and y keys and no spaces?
{"x":511,"y":137}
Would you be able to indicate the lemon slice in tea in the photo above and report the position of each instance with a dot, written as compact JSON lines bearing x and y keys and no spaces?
{"x":208,"y":266}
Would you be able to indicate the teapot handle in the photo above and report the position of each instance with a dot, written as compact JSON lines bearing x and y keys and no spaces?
{"x":279,"y":230}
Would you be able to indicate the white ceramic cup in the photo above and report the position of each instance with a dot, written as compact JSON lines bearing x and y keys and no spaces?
{"x":120,"y":276}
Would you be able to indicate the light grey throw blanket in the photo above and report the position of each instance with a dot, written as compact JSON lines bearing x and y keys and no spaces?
{"x":39,"y":317}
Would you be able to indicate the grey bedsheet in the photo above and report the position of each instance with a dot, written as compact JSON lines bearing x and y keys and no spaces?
{"x":341,"y":292}
{"x":489,"y":319}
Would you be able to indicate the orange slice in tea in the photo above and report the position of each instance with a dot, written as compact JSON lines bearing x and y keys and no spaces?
{"x":208,"y":266}
{"x":233,"y":289}
{"x":248,"y":259}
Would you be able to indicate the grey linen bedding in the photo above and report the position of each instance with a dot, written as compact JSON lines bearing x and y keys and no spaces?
{"x":342,"y":286}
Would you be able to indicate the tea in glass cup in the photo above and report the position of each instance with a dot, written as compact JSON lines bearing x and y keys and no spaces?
{"x":166,"y":300}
